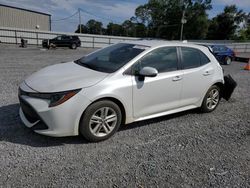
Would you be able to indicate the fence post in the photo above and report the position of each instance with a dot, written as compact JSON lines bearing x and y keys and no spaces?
{"x":37,"y":42}
{"x":16,"y":36}
{"x":93,"y":46}
{"x":37,"y":38}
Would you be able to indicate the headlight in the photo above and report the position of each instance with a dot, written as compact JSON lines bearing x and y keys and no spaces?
{"x":54,"y":98}
{"x":59,"y":98}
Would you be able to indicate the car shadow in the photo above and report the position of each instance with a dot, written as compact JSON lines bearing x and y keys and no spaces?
{"x":158,"y":119}
{"x":12,"y":129}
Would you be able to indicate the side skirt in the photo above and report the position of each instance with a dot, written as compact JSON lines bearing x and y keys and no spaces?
{"x":166,"y":112}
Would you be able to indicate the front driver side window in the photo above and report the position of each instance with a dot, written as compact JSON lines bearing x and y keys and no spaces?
{"x":162,"y":59}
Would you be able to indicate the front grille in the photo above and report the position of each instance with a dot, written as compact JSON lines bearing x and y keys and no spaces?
{"x":28,"y":111}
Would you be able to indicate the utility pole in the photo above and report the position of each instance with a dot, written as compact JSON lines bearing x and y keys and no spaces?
{"x":183,"y":20}
{"x":80,"y":21}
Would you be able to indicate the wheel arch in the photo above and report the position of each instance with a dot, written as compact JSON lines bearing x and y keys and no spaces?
{"x":221,"y":86}
{"x":115,"y":100}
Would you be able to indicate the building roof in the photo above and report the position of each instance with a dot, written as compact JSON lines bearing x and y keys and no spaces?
{"x":25,"y":9}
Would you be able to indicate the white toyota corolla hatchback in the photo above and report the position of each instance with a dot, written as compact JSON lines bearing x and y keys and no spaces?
{"x":120,"y":84}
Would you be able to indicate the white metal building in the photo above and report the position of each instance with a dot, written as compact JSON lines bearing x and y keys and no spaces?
{"x":24,"y":19}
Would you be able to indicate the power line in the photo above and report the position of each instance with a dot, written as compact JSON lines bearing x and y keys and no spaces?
{"x":66,"y":17}
{"x":84,"y":11}
{"x":101,"y":17}
{"x":73,"y":22}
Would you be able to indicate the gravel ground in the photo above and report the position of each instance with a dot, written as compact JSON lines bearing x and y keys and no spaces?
{"x":188,"y":149}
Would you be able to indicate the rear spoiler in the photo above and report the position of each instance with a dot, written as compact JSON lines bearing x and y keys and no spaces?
{"x":209,"y":48}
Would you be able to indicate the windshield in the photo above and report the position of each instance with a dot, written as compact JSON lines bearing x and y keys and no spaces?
{"x":112,"y":58}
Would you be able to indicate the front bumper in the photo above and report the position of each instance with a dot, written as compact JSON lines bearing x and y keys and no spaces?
{"x":62,"y":120}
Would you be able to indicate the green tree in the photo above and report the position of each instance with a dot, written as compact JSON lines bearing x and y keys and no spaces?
{"x":84,"y":29}
{"x":244,"y":34}
{"x":115,"y":29}
{"x":129,"y":28}
{"x":197,"y":20}
{"x":140,"y":30}
{"x":94,"y":27}
{"x":163,"y":18}
{"x":225,"y":24}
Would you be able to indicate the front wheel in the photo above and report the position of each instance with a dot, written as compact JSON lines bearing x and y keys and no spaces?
{"x":100,"y":120}
{"x":211,"y":99}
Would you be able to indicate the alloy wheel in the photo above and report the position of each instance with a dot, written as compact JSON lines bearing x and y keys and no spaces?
{"x":103,"y":121}
{"x":212,"y":99}
{"x":228,"y":60}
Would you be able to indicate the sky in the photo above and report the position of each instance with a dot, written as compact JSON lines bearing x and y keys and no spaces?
{"x":115,"y":11}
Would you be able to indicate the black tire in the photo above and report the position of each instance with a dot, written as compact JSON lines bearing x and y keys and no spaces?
{"x":52,"y":45}
{"x":85,"y":127}
{"x":205,"y":106}
{"x":73,"y":46}
{"x":228,"y":60}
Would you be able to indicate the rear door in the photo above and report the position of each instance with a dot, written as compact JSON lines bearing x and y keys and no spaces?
{"x":65,"y":40}
{"x":197,"y":75}
{"x":58,"y":41}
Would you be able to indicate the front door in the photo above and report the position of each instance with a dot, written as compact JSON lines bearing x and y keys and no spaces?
{"x":153,"y":95}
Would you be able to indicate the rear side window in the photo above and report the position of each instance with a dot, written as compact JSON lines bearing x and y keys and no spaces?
{"x":75,"y":37}
{"x":223,"y":48}
{"x":64,"y":37}
{"x":192,"y":58}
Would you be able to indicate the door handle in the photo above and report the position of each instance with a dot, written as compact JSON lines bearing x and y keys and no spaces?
{"x":206,"y":73}
{"x":177,"y":78}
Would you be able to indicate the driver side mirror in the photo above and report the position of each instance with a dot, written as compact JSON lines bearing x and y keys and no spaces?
{"x":148,"y":72}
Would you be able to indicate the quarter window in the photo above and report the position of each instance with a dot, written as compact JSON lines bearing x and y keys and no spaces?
{"x":204,"y":58}
{"x":163,"y":59}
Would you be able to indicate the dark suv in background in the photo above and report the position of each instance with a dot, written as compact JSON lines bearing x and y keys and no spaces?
{"x":62,"y":41}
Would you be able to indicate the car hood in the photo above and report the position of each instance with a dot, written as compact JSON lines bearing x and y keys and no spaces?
{"x":63,"y":77}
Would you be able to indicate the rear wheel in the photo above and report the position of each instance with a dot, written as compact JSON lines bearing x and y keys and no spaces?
{"x":100,"y":120}
{"x":211,"y":99}
{"x":73,"y":46}
{"x":228,"y":60}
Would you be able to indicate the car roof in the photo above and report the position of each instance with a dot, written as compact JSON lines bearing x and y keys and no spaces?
{"x":156,"y":43}
{"x":215,"y":45}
